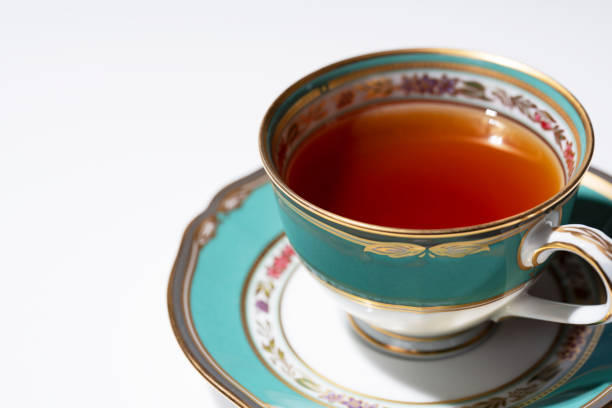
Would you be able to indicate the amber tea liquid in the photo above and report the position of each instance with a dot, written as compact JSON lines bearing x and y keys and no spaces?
{"x":424,"y":165}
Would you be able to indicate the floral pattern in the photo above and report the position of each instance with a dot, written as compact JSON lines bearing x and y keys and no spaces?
{"x":573,"y":344}
{"x":544,"y":119}
{"x":428,"y":85}
{"x":344,"y":99}
{"x":264,"y":289}
{"x":570,"y":348}
{"x":274,"y":273}
{"x":421,"y":84}
{"x":280,"y":262}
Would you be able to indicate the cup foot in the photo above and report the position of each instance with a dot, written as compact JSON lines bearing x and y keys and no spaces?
{"x":417,"y":347}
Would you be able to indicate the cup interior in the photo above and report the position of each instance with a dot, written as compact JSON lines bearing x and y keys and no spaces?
{"x":491,"y":83}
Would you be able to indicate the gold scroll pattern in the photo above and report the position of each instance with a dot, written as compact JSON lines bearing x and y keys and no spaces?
{"x":449,"y":249}
{"x":591,"y":236}
{"x":457,"y":249}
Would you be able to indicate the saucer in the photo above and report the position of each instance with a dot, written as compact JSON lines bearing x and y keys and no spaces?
{"x":256,"y":325}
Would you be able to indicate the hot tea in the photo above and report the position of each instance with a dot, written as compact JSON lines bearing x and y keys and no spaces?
{"x":424,"y":165}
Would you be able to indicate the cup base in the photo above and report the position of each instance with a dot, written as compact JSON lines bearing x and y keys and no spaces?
{"x":422,"y":348}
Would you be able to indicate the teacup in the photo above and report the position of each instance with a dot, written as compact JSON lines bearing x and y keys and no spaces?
{"x":433,"y":292}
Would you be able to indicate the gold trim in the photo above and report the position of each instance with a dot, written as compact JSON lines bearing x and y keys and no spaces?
{"x":563,"y":246}
{"x":415,"y":339}
{"x":591,"y":181}
{"x":588,"y":235}
{"x":231,"y":201}
{"x":598,"y":397}
{"x":410,"y":352}
{"x":200,"y":345}
{"x":409,"y":233}
{"x":417,"y":309}
{"x":604,"y":187}
{"x":519,"y":261}
{"x":598,"y":184}
{"x":457,"y":249}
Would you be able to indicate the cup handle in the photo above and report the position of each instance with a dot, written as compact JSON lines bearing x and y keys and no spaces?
{"x":540,"y":242}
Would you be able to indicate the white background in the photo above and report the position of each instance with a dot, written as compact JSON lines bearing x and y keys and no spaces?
{"x":119,"y":120}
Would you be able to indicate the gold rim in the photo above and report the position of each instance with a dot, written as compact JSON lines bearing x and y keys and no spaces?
{"x":425,"y":233}
{"x":414,"y":339}
{"x":368,"y":244}
{"x":598,"y":184}
{"x":599,"y":397}
{"x":449,"y":66}
{"x":417,"y":309}
{"x":411,"y":352}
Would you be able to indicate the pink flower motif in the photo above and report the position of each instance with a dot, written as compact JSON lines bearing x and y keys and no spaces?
{"x":568,"y":154}
{"x":280,"y":262}
{"x":288,"y":251}
{"x":277,"y":268}
{"x":546,"y":125}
